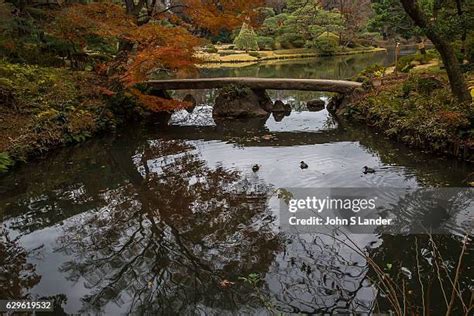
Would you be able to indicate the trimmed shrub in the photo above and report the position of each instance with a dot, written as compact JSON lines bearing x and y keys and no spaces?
{"x":367,"y":39}
{"x":266,"y":43}
{"x":210,"y":49}
{"x":291,"y":40}
{"x":327,"y":43}
{"x":247,"y":39}
{"x":254,"y":54}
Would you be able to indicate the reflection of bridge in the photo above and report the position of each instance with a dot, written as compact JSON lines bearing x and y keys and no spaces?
{"x":339,"y":86}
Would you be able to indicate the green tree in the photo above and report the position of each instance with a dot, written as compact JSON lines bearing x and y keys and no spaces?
{"x":391,"y":20}
{"x":301,"y":23}
{"x":435,"y":26}
{"x":247,"y":39}
{"x":326,"y":43}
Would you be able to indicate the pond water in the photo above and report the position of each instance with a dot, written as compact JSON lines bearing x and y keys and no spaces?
{"x":336,"y":67}
{"x":172,"y":220}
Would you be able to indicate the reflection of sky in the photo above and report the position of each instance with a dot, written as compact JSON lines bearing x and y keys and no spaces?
{"x":201,"y":116}
{"x":330,"y":165}
{"x":48,"y":264}
{"x":48,"y":267}
{"x":302,"y":122}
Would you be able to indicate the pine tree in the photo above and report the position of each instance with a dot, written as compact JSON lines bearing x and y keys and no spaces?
{"x":247,"y":39}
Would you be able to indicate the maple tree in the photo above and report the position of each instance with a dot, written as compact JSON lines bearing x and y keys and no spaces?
{"x":215,"y":15}
{"x":166,"y":41}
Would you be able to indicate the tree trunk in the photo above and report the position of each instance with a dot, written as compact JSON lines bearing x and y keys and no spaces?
{"x":456,"y":78}
{"x":134,"y":9}
{"x":464,"y":29}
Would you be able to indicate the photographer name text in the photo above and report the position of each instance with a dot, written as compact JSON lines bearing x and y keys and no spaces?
{"x":337,"y":221}
{"x":319,"y":205}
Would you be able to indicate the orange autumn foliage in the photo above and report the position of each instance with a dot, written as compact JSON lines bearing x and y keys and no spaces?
{"x":154,"y":47}
{"x":215,"y":15}
{"x":452,"y":118}
{"x":172,"y":50}
{"x":76,"y":22}
{"x":157,"y":104}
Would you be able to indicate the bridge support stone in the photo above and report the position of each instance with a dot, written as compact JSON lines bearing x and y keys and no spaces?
{"x":339,"y":102}
{"x":241,"y":102}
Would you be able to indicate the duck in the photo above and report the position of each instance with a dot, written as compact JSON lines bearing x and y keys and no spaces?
{"x":255,"y":168}
{"x":303,"y":165}
{"x":368,"y":170}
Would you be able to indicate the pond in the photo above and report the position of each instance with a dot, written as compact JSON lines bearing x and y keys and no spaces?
{"x":335,"y":67}
{"x":172,"y":220}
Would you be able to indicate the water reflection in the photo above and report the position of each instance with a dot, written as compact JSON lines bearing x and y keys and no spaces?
{"x":434,"y":211}
{"x":155,"y":220}
{"x":163,"y":244}
{"x":317,"y":275}
{"x":17,"y":275}
{"x":427,"y":260}
{"x":336,"y":67}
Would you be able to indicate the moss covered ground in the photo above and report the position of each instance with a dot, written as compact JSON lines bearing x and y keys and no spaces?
{"x":42,"y":108}
{"x":416,"y":108}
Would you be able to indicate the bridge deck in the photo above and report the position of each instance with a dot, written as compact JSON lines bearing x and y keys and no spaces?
{"x":340,"y":86}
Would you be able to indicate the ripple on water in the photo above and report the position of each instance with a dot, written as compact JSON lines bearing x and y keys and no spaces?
{"x":329,"y":164}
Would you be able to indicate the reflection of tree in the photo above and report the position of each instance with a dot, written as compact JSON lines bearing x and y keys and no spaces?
{"x":418,"y":260}
{"x":163,"y":241}
{"x":432,"y":210}
{"x":76,"y":176}
{"x":335,"y":67}
{"x":318,"y":275}
{"x":17,"y":276}
{"x":421,"y":263}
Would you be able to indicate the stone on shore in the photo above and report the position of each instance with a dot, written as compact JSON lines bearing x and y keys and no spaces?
{"x":315,"y":105}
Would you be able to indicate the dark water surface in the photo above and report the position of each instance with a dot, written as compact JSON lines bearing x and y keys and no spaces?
{"x":155,"y":220}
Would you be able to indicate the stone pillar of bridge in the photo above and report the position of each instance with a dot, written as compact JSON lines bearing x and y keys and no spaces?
{"x":241,"y":102}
